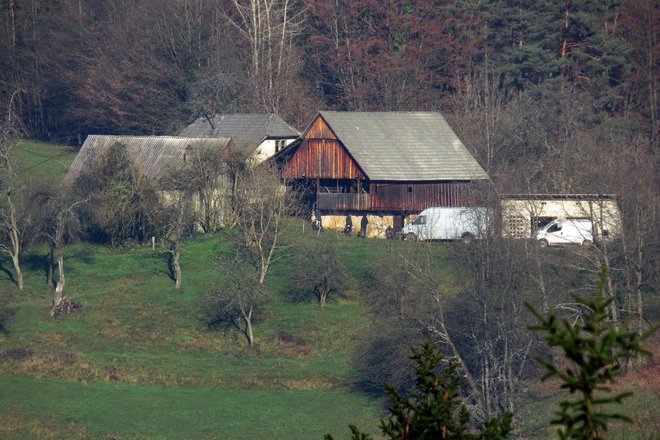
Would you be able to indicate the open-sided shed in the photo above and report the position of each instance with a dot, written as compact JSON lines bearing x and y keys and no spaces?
{"x":524,"y":214}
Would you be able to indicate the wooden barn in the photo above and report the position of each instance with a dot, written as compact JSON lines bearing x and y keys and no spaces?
{"x":381,"y":163}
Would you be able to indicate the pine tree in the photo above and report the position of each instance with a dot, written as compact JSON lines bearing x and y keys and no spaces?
{"x":433,"y":409}
{"x":594,"y":350}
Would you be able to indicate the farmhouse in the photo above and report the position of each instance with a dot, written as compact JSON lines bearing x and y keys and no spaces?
{"x":383,"y":164}
{"x":256,"y":135}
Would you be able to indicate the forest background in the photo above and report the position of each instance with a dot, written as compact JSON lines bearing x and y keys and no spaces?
{"x":539,"y":87}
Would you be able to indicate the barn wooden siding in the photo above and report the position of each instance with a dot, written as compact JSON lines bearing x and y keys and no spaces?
{"x":399,"y":197}
{"x":321,"y":156}
{"x":416,"y":196}
{"x":321,"y":159}
{"x":320,"y":130}
{"x":343,"y":202}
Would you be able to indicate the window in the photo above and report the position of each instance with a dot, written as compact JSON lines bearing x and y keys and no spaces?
{"x":554,"y":228}
{"x":420,"y":220}
{"x":280,"y":144}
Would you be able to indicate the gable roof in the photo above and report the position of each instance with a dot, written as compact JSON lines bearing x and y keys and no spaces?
{"x":404,"y":145}
{"x":154,"y":156}
{"x":247,"y":130}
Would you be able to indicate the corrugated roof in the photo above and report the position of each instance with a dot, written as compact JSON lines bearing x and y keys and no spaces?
{"x":247,"y":130}
{"x":404,"y":145}
{"x":152,"y":155}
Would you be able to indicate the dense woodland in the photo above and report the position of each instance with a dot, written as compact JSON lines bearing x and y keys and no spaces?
{"x":549,"y":96}
{"x":523,"y":76}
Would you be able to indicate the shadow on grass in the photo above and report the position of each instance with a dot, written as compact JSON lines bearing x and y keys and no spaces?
{"x":6,"y":298}
{"x":84,"y":254}
{"x":34,"y":262}
{"x":5,"y":264}
{"x":369,"y":388}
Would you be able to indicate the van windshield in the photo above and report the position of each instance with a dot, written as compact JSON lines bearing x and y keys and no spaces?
{"x":420,"y":220}
{"x":554,"y":228}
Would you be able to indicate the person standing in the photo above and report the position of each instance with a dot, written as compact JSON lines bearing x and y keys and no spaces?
{"x":318,"y":219}
{"x":349,"y":225}
{"x":363,"y":226}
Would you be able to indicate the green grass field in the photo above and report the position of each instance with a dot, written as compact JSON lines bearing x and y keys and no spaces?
{"x":39,"y":161}
{"x":171,"y":377}
{"x":137,"y":362}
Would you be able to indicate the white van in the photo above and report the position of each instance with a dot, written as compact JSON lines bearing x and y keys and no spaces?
{"x":448,"y":224}
{"x":566,"y":231}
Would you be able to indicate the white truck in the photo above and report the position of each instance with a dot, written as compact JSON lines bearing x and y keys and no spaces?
{"x":567,"y":231}
{"x":440,"y":223}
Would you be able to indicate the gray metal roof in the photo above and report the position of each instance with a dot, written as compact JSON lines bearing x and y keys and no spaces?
{"x":247,"y":130}
{"x":154,"y":156}
{"x":404,"y":145}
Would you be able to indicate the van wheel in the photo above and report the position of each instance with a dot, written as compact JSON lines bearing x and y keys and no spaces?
{"x":467,"y":238}
{"x":411,"y":237}
{"x":543,"y":242}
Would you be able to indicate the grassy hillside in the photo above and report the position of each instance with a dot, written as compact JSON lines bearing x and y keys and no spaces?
{"x":138,"y":363}
{"x":44,"y":162}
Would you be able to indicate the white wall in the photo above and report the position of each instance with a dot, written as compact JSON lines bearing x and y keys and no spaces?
{"x":267,"y":149}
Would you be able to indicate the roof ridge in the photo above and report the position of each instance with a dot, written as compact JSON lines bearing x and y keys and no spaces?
{"x":131,"y":136}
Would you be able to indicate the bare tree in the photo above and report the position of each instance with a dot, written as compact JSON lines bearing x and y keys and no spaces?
{"x":208,"y":175}
{"x":123,"y":202}
{"x":11,"y":222}
{"x":63,"y":227}
{"x":237,"y":301}
{"x":481,"y":327}
{"x":317,"y":271}
{"x":261,"y":204}
{"x":178,"y":226}
{"x":195,"y":195}
{"x":177,"y":217}
{"x":495,"y":346}
{"x":55,"y":215}
{"x":640,"y":207}
{"x":270,"y":27}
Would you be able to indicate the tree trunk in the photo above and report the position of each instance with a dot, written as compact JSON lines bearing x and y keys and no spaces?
{"x":60,"y":267}
{"x":605,"y":262}
{"x":176,"y":258}
{"x":17,"y":269}
{"x":248,"y":328}
{"x":50,"y":268}
{"x":58,"y":294}
{"x":59,"y":288}
{"x":540,"y":280}
{"x":15,"y":237}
